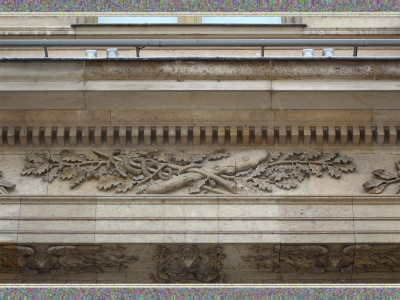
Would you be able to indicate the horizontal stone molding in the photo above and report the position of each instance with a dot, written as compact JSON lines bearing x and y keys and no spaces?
{"x":220,"y":135}
{"x":203,"y":85}
{"x":199,"y":68}
{"x":199,"y":219}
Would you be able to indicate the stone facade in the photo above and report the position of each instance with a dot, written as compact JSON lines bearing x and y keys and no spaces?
{"x":199,"y":169}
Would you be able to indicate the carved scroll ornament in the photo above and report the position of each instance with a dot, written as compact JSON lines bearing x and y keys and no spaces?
{"x":157,"y":172}
{"x":362,"y":258}
{"x":5,"y":185}
{"x":382,"y":180}
{"x":61,"y":260}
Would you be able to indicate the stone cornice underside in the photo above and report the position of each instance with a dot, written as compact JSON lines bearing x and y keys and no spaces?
{"x":219,"y":135}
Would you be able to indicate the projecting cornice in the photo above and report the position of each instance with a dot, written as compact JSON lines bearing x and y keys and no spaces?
{"x":260,"y":84}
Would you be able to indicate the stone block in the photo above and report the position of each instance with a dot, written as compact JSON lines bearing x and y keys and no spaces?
{"x":322,"y":69}
{"x":12,"y":118}
{"x":42,"y":100}
{"x":177,"y":100}
{"x":68,"y":117}
{"x":42,"y":71}
{"x":322,"y":117}
{"x":336,"y":100}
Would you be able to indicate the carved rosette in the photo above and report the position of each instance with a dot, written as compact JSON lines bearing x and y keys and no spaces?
{"x":189,"y":265}
{"x":159,"y":172}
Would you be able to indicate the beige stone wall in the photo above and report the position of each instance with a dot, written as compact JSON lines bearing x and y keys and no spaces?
{"x":166,"y":170}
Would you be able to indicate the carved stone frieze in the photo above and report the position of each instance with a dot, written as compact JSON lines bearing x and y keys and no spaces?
{"x":301,"y":259}
{"x":60,"y":260}
{"x":189,"y":265}
{"x":5,"y":185}
{"x":382,"y":180}
{"x":158,"y":172}
{"x":375,"y":258}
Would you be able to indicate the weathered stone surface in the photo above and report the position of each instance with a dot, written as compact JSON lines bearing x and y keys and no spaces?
{"x":177,"y":100}
{"x":177,"y":70}
{"x":335,"y":100}
{"x":199,"y":263}
{"x":42,"y":100}
{"x":70,"y":71}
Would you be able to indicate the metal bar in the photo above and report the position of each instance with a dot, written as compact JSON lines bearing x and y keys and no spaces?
{"x":262,"y":51}
{"x":46,"y":54}
{"x":355,"y":51}
{"x":204,"y":43}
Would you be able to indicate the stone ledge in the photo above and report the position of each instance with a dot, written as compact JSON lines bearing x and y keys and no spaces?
{"x":199,"y":219}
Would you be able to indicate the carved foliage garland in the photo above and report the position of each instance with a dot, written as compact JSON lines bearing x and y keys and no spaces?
{"x":382,"y":180}
{"x":157,"y":172}
{"x":5,"y":185}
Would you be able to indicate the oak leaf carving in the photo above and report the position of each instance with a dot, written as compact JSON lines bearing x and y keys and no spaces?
{"x":35,"y":157}
{"x":108,"y":181}
{"x":49,"y":177}
{"x":161,"y":156}
{"x":35,"y":168}
{"x":181,"y":158}
{"x":332,"y":155}
{"x":291,"y":153}
{"x":70,"y":156}
{"x":125,"y":186}
{"x":286,"y":184}
{"x":262,"y":184}
{"x":75,"y":175}
{"x":312,"y":154}
{"x":343,"y":159}
{"x":90,"y":155}
{"x":334,"y":171}
{"x":50,"y":157}
{"x":346,"y":167}
{"x":245,"y":172}
{"x":218,"y":156}
{"x":196,"y":186}
{"x":303,"y":168}
{"x":315,"y":169}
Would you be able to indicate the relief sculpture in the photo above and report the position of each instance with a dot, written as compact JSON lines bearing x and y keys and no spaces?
{"x":375,"y":258}
{"x":382,"y":179}
{"x":189,"y":265}
{"x":5,"y":185}
{"x":158,"y":172}
{"x":301,"y":259}
{"x":61,"y":260}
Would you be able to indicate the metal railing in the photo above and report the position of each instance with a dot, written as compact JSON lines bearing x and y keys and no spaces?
{"x":141,"y":43}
